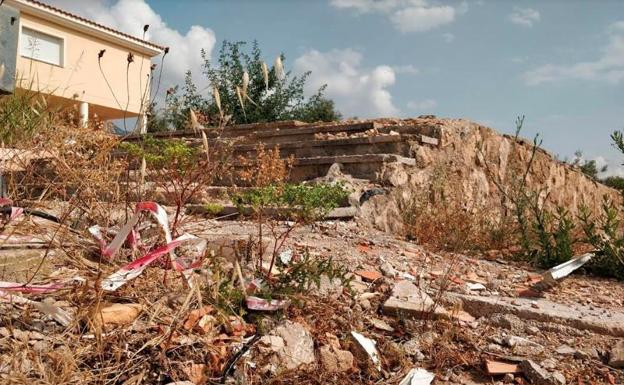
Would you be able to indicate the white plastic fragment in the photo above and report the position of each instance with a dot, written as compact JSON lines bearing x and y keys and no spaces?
{"x":369,"y":347}
{"x":261,"y":304}
{"x":134,"y":269}
{"x":286,"y":256}
{"x":564,"y":269}
{"x":417,"y":376}
{"x":157,"y":212}
{"x":475,"y":286}
{"x":58,"y":314}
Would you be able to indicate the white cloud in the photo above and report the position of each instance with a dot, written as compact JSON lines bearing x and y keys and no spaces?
{"x":609,"y":67}
{"x":448,"y":37}
{"x":617,"y":27}
{"x":366,"y":6}
{"x":426,"y":105}
{"x":130,"y":16}
{"x":357,"y":91}
{"x":524,"y":16}
{"x":406,"y":15}
{"x":408,"y":69}
{"x":418,"y":19}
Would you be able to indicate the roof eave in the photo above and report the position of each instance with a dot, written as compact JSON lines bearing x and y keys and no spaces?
{"x":145,"y":48}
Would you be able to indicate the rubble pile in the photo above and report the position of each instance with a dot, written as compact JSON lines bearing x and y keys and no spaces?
{"x":404,"y":315}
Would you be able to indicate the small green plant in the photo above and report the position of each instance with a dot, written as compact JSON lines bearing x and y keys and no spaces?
{"x":212,"y":208}
{"x":305,"y":273}
{"x":606,"y":236}
{"x":553,"y":238}
{"x":182,"y":171}
{"x":281,"y":208}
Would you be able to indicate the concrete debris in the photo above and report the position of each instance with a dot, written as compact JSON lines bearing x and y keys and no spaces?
{"x":358,"y":286}
{"x":617,"y":355}
{"x":507,"y":321}
{"x":579,"y":317}
{"x":368,"y":347}
{"x":565,"y":350}
{"x":412,"y":348}
{"x":408,"y":300}
{"x":285,"y":257}
{"x":538,"y":375}
{"x":287,"y":347}
{"x":388,"y":270}
{"x":475,"y":286}
{"x":381,"y":324}
{"x":429,"y":140}
{"x":558,"y":378}
{"x":335,"y":360}
{"x":513,"y":341}
{"x":418,"y":376}
{"x":560,"y":271}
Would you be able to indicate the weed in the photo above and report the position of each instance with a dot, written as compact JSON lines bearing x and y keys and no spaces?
{"x":182,"y":171}
{"x":306,"y":272}
{"x":266,"y":168}
{"x":605,"y":235}
{"x":294,"y":205}
{"x":436,"y":217}
{"x":212,"y":208}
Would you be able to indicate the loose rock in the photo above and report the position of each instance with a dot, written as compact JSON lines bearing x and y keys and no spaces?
{"x":617,"y":355}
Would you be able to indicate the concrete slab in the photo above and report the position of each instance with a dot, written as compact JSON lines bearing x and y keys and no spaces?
{"x":579,"y":317}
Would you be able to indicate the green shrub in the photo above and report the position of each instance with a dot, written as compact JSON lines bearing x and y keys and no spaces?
{"x":606,"y":236}
{"x":303,"y":202}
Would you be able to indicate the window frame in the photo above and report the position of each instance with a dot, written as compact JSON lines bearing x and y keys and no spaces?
{"x":52,"y":35}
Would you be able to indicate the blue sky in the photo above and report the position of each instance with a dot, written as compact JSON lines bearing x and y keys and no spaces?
{"x":560,"y":63}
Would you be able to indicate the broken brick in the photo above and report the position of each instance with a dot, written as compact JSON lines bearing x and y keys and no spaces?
{"x":369,"y":275}
{"x":497,"y":367}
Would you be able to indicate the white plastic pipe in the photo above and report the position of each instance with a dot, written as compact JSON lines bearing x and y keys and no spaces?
{"x":84,"y":113}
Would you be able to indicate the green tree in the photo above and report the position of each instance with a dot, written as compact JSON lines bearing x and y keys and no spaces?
{"x":271,"y":93}
{"x":616,"y":182}
{"x":588,"y":167}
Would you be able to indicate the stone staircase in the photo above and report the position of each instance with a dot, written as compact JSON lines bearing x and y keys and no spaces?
{"x":362,"y":149}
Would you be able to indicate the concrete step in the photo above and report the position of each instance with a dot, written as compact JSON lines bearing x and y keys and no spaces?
{"x":379,"y":144}
{"x":367,"y":166}
{"x":276,"y":132}
{"x":364,"y":166}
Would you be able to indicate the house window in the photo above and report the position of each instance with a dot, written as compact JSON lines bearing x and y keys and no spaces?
{"x":40,"y":46}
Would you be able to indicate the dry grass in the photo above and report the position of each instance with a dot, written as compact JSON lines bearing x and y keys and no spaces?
{"x":440,"y":219}
{"x":266,"y":168}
